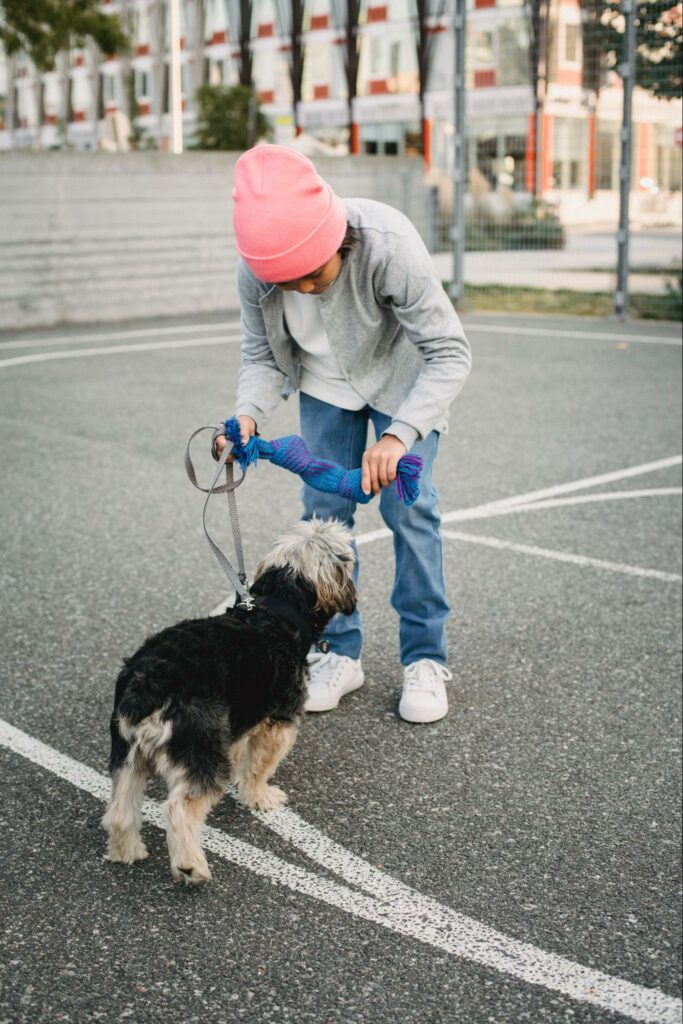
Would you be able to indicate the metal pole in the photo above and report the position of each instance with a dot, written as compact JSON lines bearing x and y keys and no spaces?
{"x":628,"y":74}
{"x":459,"y":150}
{"x":176,"y":81}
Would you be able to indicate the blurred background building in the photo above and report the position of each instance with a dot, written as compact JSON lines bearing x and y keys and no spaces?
{"x":401,"y":95}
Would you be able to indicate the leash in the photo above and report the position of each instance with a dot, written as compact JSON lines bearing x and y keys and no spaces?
{"x":238,"y":577}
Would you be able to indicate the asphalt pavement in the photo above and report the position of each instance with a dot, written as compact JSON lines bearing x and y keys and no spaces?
{"x":517,"y":861}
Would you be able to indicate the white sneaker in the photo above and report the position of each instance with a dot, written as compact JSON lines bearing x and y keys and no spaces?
{"x":424,"y":693}
{"x":330,"y":677}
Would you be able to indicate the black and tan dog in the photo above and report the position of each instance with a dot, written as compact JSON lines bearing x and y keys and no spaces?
{"x":217,"y":700}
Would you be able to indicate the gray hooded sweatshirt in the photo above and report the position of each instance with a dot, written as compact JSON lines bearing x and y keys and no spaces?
{"x":390,"y":324}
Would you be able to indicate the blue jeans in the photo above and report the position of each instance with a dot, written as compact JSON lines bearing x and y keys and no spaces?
{"x":419,"y":592}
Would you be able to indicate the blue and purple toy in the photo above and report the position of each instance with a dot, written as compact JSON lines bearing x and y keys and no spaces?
{"x":291,"y":453}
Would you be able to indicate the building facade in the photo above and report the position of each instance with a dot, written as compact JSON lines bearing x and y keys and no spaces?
{"x":86,"y":100}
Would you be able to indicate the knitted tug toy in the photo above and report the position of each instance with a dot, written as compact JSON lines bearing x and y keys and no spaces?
{"x":291,"y":453}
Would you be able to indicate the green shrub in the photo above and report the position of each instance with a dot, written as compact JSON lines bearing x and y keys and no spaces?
{"x":229,"y":117}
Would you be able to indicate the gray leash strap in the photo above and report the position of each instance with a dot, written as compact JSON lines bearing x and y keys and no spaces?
{"x":239,"y":578}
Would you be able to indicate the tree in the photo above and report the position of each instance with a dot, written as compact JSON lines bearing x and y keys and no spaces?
{"x":428,"y":17}
{"x":229,"y":117}
{"x":346,"y":15}
{"x":240,"y":13}
{"x":659,"y":26}
{"x":659,"y":45}
{"x":291,"y":25}
{"x":43,"y":28}
{"x":538,"y":21}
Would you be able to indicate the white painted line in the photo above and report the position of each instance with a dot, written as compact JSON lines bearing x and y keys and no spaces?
{"x":389,"y":903}
{"x":551,"y":332}
{"x":563,"y":556}
{"x":147,"y":332}
{"x":80,"y":353}
{"x":568,"y":488}
{"x":491,"y":512}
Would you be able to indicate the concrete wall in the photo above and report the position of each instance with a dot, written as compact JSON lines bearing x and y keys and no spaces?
{"x":102,"y":237}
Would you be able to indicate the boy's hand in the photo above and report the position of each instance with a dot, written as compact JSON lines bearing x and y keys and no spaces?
{"x":247,"y":429}
{"x":380,"y":462}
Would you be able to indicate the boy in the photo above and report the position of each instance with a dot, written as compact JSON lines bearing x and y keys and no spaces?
{"x":340,"y":301}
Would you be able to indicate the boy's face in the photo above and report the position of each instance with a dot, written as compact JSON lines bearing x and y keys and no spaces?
{"x":318,"y":281}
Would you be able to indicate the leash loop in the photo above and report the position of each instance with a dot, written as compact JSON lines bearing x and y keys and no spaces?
{"x":238,"y":577}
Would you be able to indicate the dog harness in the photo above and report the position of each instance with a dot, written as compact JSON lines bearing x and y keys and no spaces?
{"x":291,"y":453}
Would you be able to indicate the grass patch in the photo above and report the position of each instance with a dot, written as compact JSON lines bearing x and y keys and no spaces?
{"x":563,"y":301}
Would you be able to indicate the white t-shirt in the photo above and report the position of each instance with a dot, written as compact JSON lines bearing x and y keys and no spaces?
{"x":321,"y":374}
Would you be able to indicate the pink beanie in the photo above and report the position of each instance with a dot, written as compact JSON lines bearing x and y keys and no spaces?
{"x":287,"y":220}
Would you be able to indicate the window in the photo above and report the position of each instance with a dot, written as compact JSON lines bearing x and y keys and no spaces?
{"x":571,"y":43}
{"x":142,"y":84}
{"x":570,"y":148}
{"x":395,"y":59}
{"x":483,"y":48}
{"x":513,"y":54}
{"x":375,"y":56}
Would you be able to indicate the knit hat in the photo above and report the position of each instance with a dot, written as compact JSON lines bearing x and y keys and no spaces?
{"x":287,"y":220}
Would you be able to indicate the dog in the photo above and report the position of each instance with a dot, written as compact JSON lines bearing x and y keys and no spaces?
{"x":219,"y":700}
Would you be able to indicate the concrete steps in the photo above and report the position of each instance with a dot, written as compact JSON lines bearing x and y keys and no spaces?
{"x":87,"y":237}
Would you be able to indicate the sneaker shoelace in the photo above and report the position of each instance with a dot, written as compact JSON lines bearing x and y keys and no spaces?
{"x":325,"y":668}
{"x":427,"y":675}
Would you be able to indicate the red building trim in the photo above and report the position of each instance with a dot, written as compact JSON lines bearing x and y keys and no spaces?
{"x":142,"y":50}
{"x":321,"y":92}
{"x":427,"y":136}
{"x":484,"y":3}
{"x":319,"y":21}
{"x":377,"y":14}
{"x":378,"y":86}
{"x":355,"y":139}
{"x":218,"y":38}
{"x":592,"y":153}
{"x":569,"y":76}
{"x":644,"y":137}
{"x":531,"y":154}
{"x":484,"y":79}
{"x":266,"y":29}
{"x":547,"y":151}
{"x":267,"y":95}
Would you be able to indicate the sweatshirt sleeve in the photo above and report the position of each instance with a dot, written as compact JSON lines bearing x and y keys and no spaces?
{"x":260,"y":382}
{"x":408,"y":283}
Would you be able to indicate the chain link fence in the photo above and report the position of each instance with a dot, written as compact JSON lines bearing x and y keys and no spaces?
{"x":560,"y":120}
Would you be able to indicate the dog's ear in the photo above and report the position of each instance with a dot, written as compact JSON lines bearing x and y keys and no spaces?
{"x":335,"y":592}
{"x":348,"y":594}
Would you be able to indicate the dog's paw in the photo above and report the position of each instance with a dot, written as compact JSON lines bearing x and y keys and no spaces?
{"x":197,"y":874}
{"x":268,"y":798}
{"x":126,"y":851}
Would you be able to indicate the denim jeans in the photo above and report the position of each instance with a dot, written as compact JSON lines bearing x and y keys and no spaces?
{"x":419,"y":592}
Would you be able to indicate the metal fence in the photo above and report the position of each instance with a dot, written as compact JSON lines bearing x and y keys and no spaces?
{"x":571,"y":156}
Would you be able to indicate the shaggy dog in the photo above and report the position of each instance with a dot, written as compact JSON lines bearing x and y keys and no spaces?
{"x":217,"y":700}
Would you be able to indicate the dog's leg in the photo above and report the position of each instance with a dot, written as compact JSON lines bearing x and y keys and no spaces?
{"x":185,"y":815}
{"x":123,"y":817}
{"x":255,"y":757}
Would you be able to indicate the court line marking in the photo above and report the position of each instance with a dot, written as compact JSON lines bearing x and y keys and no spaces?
{"x":78,"y":353}
{"x":386,"y":901}
{"x":511,"y":330}
{"x":523,"y":502}
{"x":552,"y":332}
{"x":143,"y":332}
{"x":563,"y":556}
{"x":571,"y":486}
